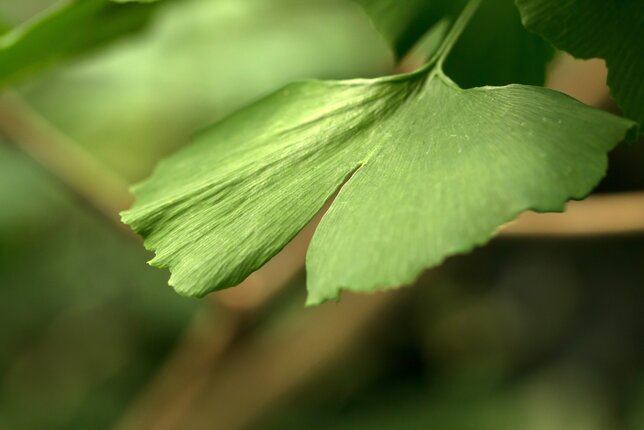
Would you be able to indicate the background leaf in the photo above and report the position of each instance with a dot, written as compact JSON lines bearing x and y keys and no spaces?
{"x":62,"y":32}
{"x":612,"y":30}
{"x":246,"y":50}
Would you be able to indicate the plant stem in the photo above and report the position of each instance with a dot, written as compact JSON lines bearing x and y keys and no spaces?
{"x":454,"y":34}
{"x":99,"y":187}
{"x":271,"y":367}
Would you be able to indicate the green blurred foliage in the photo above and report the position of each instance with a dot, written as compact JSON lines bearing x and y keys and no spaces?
{"x":18,"y":12}
{"x":47,"y":40}
{"x":84,"y":319}
{"x":206,"y":58}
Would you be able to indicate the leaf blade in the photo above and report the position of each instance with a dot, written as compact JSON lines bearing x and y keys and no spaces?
{"x":429,"y":196}
{"x":292,"y":142}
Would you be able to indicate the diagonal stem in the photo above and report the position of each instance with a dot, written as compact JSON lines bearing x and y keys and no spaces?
{"x":99,"y":187}
{"x":454,"y":34}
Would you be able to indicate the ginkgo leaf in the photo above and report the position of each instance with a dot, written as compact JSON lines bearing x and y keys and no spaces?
{"x":431,"y":170}
{"x":64,"y":31}
{"x":608,"y":29}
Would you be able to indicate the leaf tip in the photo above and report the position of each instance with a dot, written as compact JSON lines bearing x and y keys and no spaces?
{"x":317,"y":298}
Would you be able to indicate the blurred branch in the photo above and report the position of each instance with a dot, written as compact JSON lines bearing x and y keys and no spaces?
{"x":67,"y":161}
{"x":270,"y":368}
{"x":169,"y":397}
{"x":596,"y":216}
{"x":181,"y":378}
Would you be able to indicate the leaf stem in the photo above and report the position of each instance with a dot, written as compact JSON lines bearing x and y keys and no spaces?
{"x":453,"y":35}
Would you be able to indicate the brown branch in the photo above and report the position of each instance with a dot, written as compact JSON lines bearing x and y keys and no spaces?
{"x":102,"y":189}
{"x":267,"y":370}
{"x":171,"y":394}
{"x":598,"y":215}
{"x":176,"y":386}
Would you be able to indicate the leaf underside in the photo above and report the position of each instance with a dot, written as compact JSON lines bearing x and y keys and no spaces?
{"x":431,"y":170}
{"x":608,"y":29}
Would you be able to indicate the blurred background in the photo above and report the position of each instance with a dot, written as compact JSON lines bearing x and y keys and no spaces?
{"x":536,"y":333}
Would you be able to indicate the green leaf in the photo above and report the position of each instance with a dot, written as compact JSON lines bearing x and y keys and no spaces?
{"x":451,"y":166}
{"x":608,"y":29}
{"x":431,"y":170}
{"x":66,"y":31}
{"x":495,"y":49}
